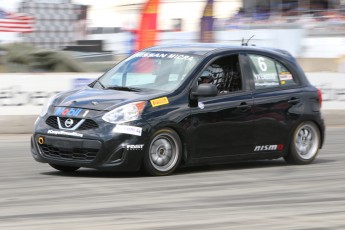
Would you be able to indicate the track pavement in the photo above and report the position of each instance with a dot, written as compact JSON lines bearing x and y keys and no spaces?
{"x":253,"y":195}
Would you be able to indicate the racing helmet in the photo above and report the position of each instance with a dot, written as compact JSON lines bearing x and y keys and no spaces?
{"x":206,"y":76}
{"x":213,"y":73}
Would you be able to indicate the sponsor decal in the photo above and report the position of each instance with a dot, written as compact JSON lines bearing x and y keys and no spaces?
{"x":135,"y":147}
{"x":266,"y":77}
{"x":267,"y":84}
{"x":70,"y":112}
{"x":159,"y":101}
{"x":285,"y":76}
{"x":133,"y":130}
{"x":74,"y":134}
{"x":164,"y":55}
{"x":86,"y":112}
{"x":259,"y":148}
{"x":201,"y":105}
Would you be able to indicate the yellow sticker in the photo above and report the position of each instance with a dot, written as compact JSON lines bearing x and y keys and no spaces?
{"x":159,"y":101}
{"x":283,"y":82}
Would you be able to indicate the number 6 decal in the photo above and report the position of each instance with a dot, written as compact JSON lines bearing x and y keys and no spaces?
{"x":262,"y":64}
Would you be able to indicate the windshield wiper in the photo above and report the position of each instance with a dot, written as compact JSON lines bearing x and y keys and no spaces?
{"x":124,"y":88}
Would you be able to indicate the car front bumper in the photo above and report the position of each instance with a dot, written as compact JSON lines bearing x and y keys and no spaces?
{"x":101,"y":148}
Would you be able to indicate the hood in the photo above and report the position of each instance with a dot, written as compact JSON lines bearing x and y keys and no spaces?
{"x":99,"y":99}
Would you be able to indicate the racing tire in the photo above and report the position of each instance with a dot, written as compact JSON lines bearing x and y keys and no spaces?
{"x":304,"y":145}
{"x":64,"y":168}
{"x":163,"y":153}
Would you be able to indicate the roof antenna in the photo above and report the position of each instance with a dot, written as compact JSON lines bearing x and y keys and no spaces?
{"x":246,"y":43}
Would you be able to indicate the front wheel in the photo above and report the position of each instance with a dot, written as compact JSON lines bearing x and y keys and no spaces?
{"x":64,"y":168}
{"x":304,"y":144}
{"x":163,"y":153}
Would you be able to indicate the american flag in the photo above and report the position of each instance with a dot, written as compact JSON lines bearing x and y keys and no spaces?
{"x":16,"y":22}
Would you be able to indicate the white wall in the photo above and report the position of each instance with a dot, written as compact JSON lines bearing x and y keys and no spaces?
{"x":24,"y":94}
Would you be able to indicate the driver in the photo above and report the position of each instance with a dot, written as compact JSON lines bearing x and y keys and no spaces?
{"x":206,"y":77}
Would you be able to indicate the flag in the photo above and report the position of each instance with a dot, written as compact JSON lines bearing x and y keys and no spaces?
{"x":147,"y":31}
{"x":206,"y":24}
{"x":16,"y":22}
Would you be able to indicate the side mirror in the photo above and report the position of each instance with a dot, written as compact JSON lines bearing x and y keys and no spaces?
{"x":205,"y":90}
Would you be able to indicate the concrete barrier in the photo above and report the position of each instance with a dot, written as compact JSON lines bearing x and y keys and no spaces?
{"x":22,"y":96}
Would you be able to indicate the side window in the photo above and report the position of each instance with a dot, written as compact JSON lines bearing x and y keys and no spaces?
{"x":264,"y":72}
{"x":269,"y":73}
{"x":225,"y":73}
{"x":285,"y":77}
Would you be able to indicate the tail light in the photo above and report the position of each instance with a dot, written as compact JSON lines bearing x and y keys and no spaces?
{"x":319,"y":95}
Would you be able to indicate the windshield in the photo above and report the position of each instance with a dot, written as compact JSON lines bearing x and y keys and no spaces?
{"x":149,"y":70}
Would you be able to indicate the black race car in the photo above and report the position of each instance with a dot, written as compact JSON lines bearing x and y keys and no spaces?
{"x":193,"y":104}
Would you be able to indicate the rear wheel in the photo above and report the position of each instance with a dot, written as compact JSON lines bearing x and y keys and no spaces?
{"x":64,"y":168}
{"x":163,"y":154}
{"x":304,"y":145}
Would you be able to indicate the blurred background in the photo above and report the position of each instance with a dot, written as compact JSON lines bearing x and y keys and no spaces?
{"x":108,"y":30}
{"x":42,"y":42}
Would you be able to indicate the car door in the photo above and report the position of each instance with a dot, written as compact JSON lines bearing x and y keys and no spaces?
{"x":277,"y":102}
{"x":222,"y":125}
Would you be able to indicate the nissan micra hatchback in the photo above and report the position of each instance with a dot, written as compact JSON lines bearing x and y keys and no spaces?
{"x":174,"y":105}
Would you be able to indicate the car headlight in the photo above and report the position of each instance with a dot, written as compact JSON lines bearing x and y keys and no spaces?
{"x":125,"y":113}
{"x":46,"y":106}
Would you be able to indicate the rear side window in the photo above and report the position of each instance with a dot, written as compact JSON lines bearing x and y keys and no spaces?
{"x":269,"y":73}
{"x":285,"y":77}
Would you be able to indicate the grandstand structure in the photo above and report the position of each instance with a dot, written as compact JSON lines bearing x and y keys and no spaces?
{"x":57,"y":23}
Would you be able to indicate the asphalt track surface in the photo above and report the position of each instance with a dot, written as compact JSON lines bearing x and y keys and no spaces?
{"x":254,"y":195}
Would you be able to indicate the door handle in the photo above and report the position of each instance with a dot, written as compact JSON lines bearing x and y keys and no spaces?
{"x":293,"y":101}
{"x":243,"y":106}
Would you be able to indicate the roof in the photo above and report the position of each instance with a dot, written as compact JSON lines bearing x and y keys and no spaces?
{"x":207,"y":48}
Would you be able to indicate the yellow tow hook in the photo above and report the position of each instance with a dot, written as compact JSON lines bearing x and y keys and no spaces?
{"x":41,"y":140}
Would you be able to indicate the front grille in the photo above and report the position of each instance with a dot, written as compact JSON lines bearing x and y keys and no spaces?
{"x":87,"y":124}
{"x":76,"y":154}
{"x":52,"y":121}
